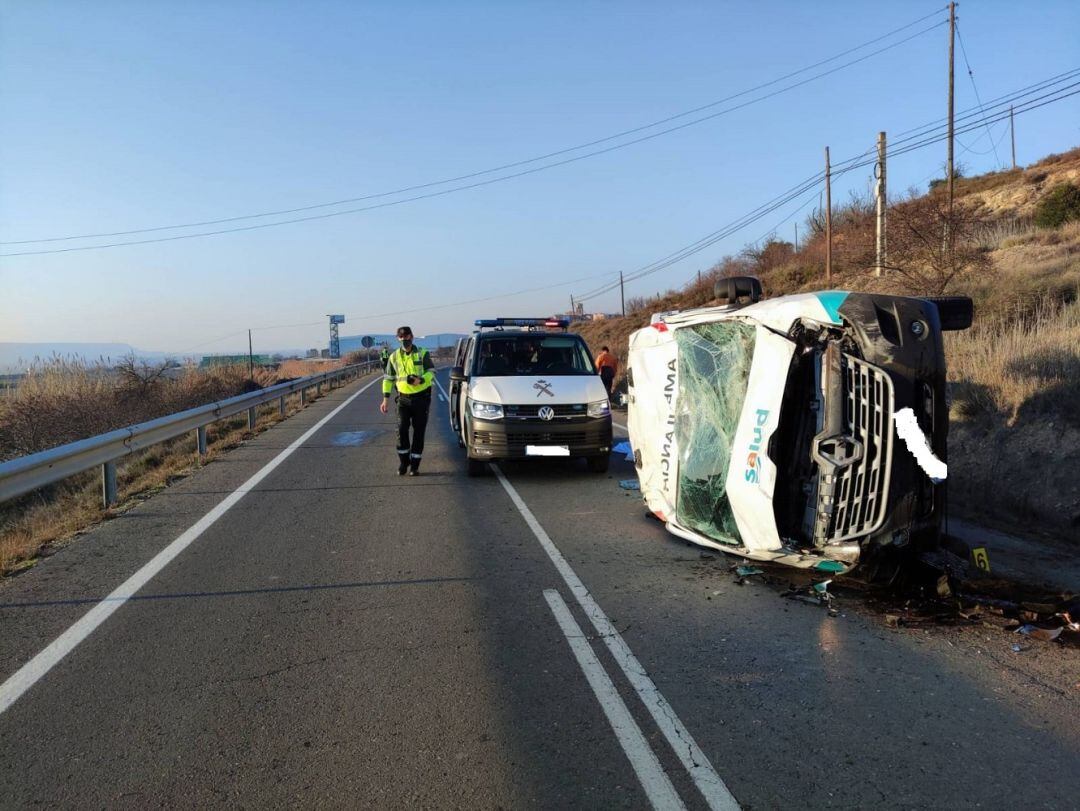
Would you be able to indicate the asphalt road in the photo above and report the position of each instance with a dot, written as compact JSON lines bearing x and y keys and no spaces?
{"x":343,"y":637}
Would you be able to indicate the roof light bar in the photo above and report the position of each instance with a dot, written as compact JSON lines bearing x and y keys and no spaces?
{"x":562,"y":323}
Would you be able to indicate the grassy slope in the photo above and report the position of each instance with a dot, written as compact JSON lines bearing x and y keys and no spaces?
{"x":1014,"y":377}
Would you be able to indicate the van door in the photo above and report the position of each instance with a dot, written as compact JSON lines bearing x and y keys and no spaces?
{"x":461,"y":353}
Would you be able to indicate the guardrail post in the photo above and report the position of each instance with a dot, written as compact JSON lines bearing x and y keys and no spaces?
{"x":318,"y":389}
{"x":251,"y":418}
{"x":281,"y":405}
{"x":108,"y":484}
{"x":200,"y":439}
{"x":303,"y":397}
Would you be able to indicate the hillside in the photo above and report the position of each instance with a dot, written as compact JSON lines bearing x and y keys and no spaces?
{"x":1014,"y":377}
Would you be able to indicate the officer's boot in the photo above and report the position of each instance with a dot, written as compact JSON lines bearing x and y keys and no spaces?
{"x":414,"y":465}
{"x":403,"y":462}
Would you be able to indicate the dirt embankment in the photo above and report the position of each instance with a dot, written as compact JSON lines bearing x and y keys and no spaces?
{"x":1014,"y":378}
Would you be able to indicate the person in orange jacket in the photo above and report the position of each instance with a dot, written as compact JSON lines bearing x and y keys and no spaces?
{"x":607,"y":364}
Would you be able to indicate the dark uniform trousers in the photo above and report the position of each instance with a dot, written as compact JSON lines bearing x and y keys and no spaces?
{"x":412,"y":410}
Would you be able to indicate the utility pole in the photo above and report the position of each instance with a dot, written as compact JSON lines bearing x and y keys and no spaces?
{"x":251,"y":359}
{"x":572,"y":311}
{"x":880,"y":193}
{"x":949,"y":162}
{"x":1012,"y":135}
{"x":828,"y":219}
{"x":622,"y":293}
{"x":796,"y":237}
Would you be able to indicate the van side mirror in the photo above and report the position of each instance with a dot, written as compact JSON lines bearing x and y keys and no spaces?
{"x":457,"y":374}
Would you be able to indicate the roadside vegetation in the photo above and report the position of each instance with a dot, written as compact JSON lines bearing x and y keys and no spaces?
{"x":62,"y":400}
{"x":1014,"y":376}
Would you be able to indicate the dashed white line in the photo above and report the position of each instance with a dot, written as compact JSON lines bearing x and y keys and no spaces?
{"x":658,"y":787}
{"x":26,"y":676}
{"x":691,"y":756}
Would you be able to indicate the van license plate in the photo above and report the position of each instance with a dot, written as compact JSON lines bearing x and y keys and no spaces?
{"x":547,"y":450}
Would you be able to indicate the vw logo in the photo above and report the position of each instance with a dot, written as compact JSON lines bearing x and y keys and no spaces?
{"x":546,"y":413}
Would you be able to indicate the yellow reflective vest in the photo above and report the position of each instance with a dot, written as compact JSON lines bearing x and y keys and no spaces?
{"x":401,"y":365}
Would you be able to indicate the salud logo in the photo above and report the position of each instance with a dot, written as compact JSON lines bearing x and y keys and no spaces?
{"x":546,"y":413}
{"x":543,"y":387}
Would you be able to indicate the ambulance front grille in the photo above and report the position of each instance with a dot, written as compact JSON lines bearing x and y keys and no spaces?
{"x":862,"y":489}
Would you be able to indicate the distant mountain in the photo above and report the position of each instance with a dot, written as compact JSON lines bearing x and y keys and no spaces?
{"x":350,"y":343}
{"x":15,"y":357}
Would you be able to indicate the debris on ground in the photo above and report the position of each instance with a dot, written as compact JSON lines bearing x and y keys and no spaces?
{"x":626,"y":449}
{"x":745,"y":571}
{"x":1042,"y":634}
{"x":630,"y":484}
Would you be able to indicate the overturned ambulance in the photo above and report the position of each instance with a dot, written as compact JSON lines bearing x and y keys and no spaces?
{"x":768,"y":429}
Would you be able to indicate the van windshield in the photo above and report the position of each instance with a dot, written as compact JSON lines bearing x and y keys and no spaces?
{"x":532,"y":354}
{"x":714,"y":370}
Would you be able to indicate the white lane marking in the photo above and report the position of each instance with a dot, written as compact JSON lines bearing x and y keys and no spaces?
{"x":620,"y":425}
{"x":647,"y":767}
{"x":695,"y":762}
{"x":442,"y":391}
{"x":26,"y":676}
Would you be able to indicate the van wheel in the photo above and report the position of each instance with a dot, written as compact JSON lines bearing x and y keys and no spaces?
{"x":476,"y":467}
{"x":598,"y":464}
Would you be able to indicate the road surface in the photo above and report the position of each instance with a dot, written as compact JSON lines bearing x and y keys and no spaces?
{"x":322,"y":633}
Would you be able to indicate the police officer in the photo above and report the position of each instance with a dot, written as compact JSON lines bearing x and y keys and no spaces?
{"x":411,"y":370}
{"x":384,"y":356}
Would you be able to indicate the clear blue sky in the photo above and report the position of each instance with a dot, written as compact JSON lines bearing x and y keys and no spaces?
{"x":126,"y":115}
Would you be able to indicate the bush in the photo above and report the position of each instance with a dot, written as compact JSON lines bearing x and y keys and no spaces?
{"x":1058,"y":206}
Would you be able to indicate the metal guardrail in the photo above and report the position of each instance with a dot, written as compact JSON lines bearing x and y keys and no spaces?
{"x":26,"y":473}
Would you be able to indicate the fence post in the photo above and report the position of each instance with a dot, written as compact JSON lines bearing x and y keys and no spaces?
{"x":200,"y":439}
{"x":251,"y":418}
{"x":281,"y":405}
{"x":108,"y":484}
{"x":303,"y":397}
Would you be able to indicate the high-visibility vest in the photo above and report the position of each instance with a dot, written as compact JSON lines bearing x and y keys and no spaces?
{"x":401,"y":365}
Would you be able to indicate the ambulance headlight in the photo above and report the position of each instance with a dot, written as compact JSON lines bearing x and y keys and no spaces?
{"x":485,"y":411}
{"x":601,"y":408}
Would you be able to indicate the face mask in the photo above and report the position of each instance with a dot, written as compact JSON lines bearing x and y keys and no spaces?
{"x":406,"y":342}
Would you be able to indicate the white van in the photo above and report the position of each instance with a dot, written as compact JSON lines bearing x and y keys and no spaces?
{"x":769,"y":430}
{"x":525,"y":387}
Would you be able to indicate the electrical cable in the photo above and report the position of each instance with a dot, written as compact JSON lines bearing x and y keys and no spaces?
{"x":971,"y":75}
{"x":478,"y":174}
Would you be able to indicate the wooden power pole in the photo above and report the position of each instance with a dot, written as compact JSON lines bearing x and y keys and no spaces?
{"x":622,"y":293}
{"x":1012,"y":135}
{"x":251,"y":359}
{"x":881,"y":204}
{"x":949,"y":161}
{"x":828,"y":219}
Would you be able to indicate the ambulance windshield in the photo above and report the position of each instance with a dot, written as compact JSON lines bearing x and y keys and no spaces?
{"x":714,"y":369}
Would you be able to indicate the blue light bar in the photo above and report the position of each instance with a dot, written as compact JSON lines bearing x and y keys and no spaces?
{"x":523,"y":322}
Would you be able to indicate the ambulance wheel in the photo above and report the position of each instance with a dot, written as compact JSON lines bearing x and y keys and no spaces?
{"x":598,"y":464}
{"x":476,"y":467}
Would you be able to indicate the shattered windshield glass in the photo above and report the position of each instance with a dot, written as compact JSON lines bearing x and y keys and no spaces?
{"x":714,"y":368}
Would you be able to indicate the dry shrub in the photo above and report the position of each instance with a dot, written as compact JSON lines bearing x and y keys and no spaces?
{"x":1019,"y":367}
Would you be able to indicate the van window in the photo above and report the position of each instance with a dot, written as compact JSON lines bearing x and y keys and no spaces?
{"x":531,"y":354}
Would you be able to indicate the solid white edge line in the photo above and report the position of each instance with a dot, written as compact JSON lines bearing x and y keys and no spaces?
{"x":693,"y":759}
{"x":442,"y":391}
{"x":26,"y":676}
{"x":620,"y":425}
{"x":654,"y":780}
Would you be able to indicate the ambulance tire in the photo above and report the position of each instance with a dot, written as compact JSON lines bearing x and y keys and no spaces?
{"x":598,"y":464}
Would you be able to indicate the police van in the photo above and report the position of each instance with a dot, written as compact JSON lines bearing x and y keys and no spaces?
{"x":525,"y":387}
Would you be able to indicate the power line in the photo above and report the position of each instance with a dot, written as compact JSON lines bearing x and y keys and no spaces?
{"x":396,"y":192}
{"x":971,"y":75}
{"x":914,"y":142}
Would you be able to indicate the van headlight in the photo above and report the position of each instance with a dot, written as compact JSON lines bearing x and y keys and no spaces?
{"x":601,"y":408}
{"x":485,"y":411}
